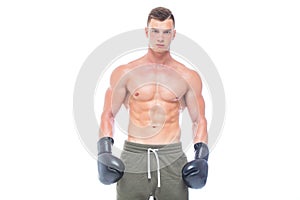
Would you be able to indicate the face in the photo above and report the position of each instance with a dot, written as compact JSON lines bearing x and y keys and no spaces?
{"x":160,"y":34}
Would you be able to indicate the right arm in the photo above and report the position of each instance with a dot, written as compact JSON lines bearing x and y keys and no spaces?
{"x":114,"y":98}
{"x":111,"y":168}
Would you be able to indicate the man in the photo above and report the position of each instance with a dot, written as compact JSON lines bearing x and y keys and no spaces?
{"x":155,"y":89}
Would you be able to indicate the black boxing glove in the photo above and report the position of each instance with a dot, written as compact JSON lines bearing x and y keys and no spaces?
{"x":110,"y":168}
{"x":195,"y":173}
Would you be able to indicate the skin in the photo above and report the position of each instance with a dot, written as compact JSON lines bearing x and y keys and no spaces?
{"x":155,"y":89}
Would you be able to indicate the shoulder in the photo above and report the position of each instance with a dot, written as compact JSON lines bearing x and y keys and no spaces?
{"x":186,"y":72}
{"x":118,"y":75}
{"x":121,"y":73}
{"x":192,"y":77}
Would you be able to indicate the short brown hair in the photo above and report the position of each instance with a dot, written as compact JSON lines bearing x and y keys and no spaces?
{"x":161,"y":14}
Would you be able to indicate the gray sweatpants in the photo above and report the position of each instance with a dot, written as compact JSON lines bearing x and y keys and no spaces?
{"x":152,"y":170}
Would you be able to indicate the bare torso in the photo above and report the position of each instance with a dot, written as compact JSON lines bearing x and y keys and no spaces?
{"x":155,"y":98}
{"x":155,"y":94}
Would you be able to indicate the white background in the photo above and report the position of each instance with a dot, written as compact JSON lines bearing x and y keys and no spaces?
{"x":254,"y":45}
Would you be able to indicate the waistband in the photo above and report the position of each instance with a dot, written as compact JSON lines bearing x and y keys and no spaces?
{"x":172,"y":148}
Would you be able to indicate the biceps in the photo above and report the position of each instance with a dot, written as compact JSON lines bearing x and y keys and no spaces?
{"x":117,"y":99}
{"x":196,"y":106}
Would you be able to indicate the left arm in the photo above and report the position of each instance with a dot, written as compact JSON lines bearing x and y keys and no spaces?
{"x":196,"y":107}
{"x":195,"y":173}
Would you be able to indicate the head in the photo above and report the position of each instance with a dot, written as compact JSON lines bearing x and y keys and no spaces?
{"x":160,"y":29}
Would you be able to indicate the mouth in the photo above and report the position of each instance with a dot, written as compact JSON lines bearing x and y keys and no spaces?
{"x":160,"y":45}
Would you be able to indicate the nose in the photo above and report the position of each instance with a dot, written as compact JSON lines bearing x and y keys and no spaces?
{"x":160,"y":38}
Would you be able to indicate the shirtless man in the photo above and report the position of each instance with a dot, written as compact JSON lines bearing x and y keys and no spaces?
{"x":155,"y":89}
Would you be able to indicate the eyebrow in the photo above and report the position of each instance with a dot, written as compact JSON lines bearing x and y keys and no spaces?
{"x":161,"y":29}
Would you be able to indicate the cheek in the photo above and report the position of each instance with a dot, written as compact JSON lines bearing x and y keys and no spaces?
{"x":169,"y":40}
{"x":151,"y":39}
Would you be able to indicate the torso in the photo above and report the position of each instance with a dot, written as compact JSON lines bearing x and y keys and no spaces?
{"x":155,"y":98}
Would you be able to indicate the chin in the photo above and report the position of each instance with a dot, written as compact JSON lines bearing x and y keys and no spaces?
{"x":158,"y":50}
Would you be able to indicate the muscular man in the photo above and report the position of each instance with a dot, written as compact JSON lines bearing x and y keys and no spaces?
{"x":155,"y":89}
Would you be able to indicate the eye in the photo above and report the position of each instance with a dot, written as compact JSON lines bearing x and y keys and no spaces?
{"x":154,"y":31}
{"x":167,"y":32}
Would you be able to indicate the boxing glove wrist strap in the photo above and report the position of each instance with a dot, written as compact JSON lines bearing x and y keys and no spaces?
{"x":201,"y":151}
{"x":104,"y":145}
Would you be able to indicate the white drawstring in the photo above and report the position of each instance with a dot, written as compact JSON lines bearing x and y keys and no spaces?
{"x":157,"y":161}
{"x":150,"y":198}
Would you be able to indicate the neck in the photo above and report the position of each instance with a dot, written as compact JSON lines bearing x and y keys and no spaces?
{"x":158,"y":57}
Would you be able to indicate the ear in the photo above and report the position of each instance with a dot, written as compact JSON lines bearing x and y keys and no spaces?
{"x":146,"y":31}
{"x":174,"y":34}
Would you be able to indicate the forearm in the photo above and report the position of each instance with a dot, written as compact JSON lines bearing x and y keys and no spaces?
{"x":200,"y":131}
{"x":106,"y":125}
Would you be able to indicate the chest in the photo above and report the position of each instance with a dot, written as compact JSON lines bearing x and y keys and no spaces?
{"x":156,"y":82}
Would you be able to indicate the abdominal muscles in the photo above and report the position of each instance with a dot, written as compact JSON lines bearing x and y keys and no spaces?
{"x":154,"y":115}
